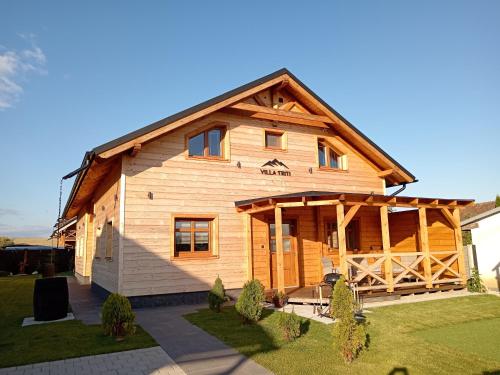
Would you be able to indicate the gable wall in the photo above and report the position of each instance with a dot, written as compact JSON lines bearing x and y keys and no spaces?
{"x":211,"y":187}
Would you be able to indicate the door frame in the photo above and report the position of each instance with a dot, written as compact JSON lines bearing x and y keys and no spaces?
{"x":269,"y":219}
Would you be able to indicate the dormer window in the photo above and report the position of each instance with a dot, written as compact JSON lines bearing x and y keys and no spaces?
{"x":329,"y":158}
{"x":208,"y":144}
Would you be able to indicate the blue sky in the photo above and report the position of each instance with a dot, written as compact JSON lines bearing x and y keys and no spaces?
{"x":421,"y":79}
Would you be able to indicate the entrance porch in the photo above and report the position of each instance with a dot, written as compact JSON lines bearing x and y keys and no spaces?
{"x":293,"y":240}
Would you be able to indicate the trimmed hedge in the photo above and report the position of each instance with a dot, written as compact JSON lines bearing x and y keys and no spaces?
{"x":249,"y":304}
{"x":117,"y":316}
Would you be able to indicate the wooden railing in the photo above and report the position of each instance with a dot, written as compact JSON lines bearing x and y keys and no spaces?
{"x":369,"y":273}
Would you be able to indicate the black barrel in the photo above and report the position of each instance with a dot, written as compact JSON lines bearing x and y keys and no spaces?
{"x":50,"y":298}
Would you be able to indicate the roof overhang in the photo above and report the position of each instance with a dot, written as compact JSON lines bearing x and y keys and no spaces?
{"x":326,"y":198}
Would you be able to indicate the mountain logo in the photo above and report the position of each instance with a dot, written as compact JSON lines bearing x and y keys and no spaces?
{"x":274,"y":163}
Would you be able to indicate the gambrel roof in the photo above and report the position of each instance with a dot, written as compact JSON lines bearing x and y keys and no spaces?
{"x":321,"y":114}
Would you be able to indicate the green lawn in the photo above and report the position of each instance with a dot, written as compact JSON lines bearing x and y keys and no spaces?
{"x":453,"y":336}
{"x":52,"y":341}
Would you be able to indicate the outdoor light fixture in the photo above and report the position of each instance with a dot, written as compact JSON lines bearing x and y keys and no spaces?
{"x":238,"y":164}
{"x":310,"y":170}
{"x":150,"y":195}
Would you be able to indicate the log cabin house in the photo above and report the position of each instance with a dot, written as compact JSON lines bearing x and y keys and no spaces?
{"x":265,"y":181}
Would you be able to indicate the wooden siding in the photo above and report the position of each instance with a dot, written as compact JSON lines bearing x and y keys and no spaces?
{"x":181,"y":186}
{"x":106,"y":207}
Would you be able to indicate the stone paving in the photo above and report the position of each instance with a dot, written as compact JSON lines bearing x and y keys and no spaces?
{"x":141,"y":361}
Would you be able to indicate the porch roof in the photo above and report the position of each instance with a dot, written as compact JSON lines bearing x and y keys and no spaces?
{"x":323,"y":198}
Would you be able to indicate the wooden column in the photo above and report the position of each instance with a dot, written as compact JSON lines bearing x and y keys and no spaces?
{"x":459,"y":246}
{"x":280,"y":264}
{"x":247,"y":219}
{"x":386,"y":246}
{"x":424,"y":245}
{"x":341,"y":237}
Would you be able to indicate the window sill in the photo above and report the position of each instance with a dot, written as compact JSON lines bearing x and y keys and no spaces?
{"x":193,"y":257}
{"x":274,"y":149}
{"x":328,"y":169}
{"x":203,"y":158}
{"x":109,"y":259}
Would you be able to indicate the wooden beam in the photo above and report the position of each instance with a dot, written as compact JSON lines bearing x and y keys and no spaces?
{"x":260,"y":209}
{"x":247,"y":218}
{"x":460,"y":247}
{"x":279,"y":112}
{"x":135,"y":150}
{"x":385,"y":173}
{"x":259,"y":100}
{"x":424,"y":245}
{"x":328,"y":202}
{"x":386,"y":246}
{"x":448,"y":216}
{"x":287,"y":106}
{"x":342,"y":242}
{"x":350,"y":214}
{"x":280,"y":264}
{"x":290,"y":204}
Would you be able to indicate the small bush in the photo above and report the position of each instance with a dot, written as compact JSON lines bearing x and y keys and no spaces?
{"x":117,"y":316}
{"x":475,"y":284}
{"x":350,"y":335}
{"x":217,"y":295}
{"x":249,"y":304}
{"x":4,"y":273}
{"x":290,"y":325}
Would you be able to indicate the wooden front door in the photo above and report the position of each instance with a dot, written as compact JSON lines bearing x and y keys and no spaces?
{"x":289,"y":253}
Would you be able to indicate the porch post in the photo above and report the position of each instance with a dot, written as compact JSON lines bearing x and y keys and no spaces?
{"x":386,"y":246}
{"x":424,"y":245}
{"x":247,"y":219}
{"x":341,"y":237}
{"x":280,"y":270}
{"x":459,"y":246}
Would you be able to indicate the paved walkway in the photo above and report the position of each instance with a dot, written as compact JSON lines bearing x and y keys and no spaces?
{"x":142,"y":361}
{"x":194,"y":350}
{"x":86,"y":306}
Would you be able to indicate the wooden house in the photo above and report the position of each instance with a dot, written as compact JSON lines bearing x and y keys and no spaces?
{"x":265,"y":181}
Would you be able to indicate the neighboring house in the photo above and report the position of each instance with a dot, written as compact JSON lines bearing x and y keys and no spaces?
{"x":165,"y":209}
{"x":485,"y":233}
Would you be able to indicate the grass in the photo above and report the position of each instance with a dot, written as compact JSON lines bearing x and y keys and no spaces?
{"x":53,"y":341}
{"x":453,"y":336}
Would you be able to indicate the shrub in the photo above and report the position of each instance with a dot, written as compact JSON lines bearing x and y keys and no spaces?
{"x":475,"y":284}
{"x":249,"y":304}
{"x":216,"y":295}
{"x":351,"y":335}
{"x":117,"y":316}
{"x":4,"y":273}
{"x":290,"y":325}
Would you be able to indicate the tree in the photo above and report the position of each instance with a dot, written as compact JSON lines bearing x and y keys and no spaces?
{"x":497,"y":201}
{"x":249,"y":304}
{"x":5,"y":241}
{"x":350,"y":334}
{"x":216,"y":295}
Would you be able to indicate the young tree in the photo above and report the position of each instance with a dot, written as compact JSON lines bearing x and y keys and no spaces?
{"x":216,"y":295}
{"x":350,"y":335}
{"x":249,"y":304}
{"x":497,"y":201}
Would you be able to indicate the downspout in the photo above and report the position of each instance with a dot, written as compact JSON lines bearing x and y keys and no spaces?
{"x":401,"y":188}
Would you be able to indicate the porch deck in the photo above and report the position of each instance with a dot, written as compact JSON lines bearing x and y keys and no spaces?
{"x":308,"y":295}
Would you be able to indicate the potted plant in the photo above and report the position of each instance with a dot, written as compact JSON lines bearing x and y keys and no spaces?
{"x":280,"y":299}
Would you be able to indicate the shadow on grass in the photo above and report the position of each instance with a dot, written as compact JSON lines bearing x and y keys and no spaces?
{"x":399,"y":371}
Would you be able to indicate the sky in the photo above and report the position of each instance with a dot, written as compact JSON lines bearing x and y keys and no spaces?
{"x":421,"y":79}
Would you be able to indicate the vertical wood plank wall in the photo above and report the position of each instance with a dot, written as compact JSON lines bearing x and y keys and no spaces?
{"x":211,"y":187}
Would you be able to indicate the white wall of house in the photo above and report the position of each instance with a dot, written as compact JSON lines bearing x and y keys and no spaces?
{"x":486,"y":238}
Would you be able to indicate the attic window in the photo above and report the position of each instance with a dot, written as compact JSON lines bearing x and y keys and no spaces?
{"x":274,"y":140}
{"x":329,"y":158}
{"x":208,"y":144}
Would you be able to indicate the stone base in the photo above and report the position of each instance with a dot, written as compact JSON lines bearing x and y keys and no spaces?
{"x":83,"y":280}
{"x":31,"y":320}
